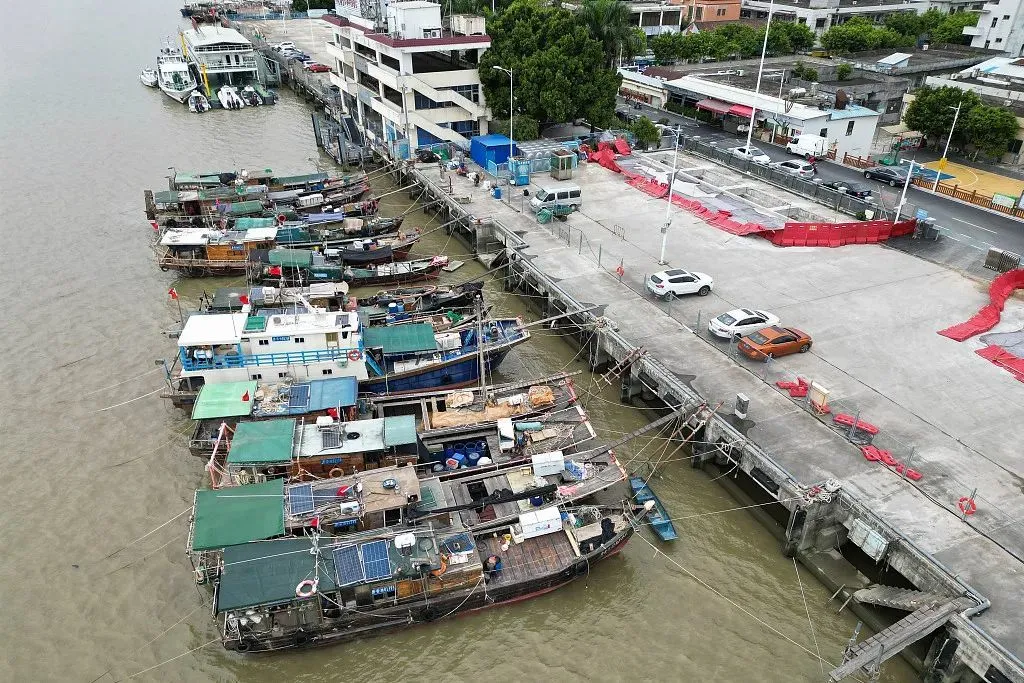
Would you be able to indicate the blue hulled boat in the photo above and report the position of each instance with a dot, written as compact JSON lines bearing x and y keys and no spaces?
{"x":412,"y":357}
{"x":658,"y":517}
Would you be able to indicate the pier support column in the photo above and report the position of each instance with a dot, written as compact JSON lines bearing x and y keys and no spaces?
{"x":794,"y":531}
{"x":630,"y":387}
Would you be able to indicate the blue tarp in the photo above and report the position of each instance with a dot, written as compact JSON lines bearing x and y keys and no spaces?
{"x":311,"y":397}
{"x":489,"y":148}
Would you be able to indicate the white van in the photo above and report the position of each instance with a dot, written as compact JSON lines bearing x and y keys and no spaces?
{"x":808,"y":145}
{"x":565,"y":195}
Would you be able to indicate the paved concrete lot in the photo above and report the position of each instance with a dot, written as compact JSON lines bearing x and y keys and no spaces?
{"x":873,"y":313}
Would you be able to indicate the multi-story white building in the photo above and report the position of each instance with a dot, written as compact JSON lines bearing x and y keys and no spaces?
{"x":821,"y":15}
{"x":1000,"y":27}
{"x":408,"y":81}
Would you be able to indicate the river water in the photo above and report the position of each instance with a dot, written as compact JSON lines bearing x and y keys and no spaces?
{"x":93,"y":460}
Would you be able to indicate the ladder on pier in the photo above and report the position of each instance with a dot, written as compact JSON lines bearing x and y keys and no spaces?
{"x":616,"y":370}
{"x":869,"y":654}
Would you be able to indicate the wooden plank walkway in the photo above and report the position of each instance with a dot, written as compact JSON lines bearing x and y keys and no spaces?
{"x":530,"y":559}
{"x":891,"y":641}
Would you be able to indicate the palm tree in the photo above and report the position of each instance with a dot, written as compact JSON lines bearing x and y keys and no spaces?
{"x":609,"y":23}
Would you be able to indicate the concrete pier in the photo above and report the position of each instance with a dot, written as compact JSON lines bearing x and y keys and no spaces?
{"x":873,"y":313}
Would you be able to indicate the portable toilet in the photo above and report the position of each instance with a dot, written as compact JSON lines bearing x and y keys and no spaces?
{"x":493,"y":148}
{"x":520,"y":169}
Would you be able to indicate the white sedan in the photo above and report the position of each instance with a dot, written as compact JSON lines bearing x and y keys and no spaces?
{"x":741,"y":322}
{"x":671,"y":283}
{"x":751,"y":154}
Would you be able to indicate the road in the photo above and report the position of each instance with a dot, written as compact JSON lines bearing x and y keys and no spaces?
{"x":972,"y":226}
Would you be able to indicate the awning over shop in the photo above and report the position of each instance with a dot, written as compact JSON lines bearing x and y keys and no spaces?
{"x":741,"y":110}
{"x":715,"y":106}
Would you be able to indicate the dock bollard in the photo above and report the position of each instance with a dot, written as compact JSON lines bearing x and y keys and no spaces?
{"x":699,"y":316}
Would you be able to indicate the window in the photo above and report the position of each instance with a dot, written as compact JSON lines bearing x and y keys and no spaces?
{"x":390,"y":62}
{"x":1014,"y":146}
{"x":282,"y":375}
{"x":1005,"y":17}
{"x":466,"y":128}
{"x":994,"y":22}
{"x":720,"y":12}
{"x":574,"y":194}
{"x":999,"y":40}
{"x":470,"y":92}
{"x":823,"y":133}
{"x":802,"y":20}
{"x":700,"y":14}
{"x":849,"y":128}
{"x":263,"y":342}
{"x":256,"y":376}
{"x":423,"y":102}
{"x":299,"y":340}
{"x":819,"y":23}
{"x":328,"y":371}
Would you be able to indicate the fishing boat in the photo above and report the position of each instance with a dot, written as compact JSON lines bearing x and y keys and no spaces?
{"x":304,"y":202}
{"x":148,"y":78}
{"x":229,"y":97}
{"x":197,"y":103}
{"x":220,"y":252}
{"x":174,"y":77}
{"x":310,"y":266}
{"x":250,"y":96}
{"x":184,"y":180}
{"x":367,"y":207}
{"x":395,"y":305}
{"x":658,"y":518}
{"x":304,"y":592}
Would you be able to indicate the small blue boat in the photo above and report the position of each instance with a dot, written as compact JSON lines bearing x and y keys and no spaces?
{"x":658,"y":518}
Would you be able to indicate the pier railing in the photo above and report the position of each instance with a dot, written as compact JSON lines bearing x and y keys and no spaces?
{"x":267,"y":359}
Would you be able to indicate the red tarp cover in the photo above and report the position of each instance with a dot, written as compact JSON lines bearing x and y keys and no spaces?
{"x":1004,"y":359}
{"x":741,"y":110}
{"x":714,"y":105}
{"x":622,"y":147}
{"x":984,"y":320}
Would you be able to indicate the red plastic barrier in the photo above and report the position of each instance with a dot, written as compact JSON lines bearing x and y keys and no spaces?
{"x":847,"y":421}
{"x":839,"y":234}
{"x":1004,"y":359}
{"x":988,"y":317}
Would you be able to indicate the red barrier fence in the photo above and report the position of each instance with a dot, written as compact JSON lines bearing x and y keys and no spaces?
{"x":984,"y":320}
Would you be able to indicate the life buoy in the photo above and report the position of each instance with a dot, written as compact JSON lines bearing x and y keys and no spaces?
{"x":307,"y":588}
{"x":967,"y":505}
{"x":281,"y":218}
{"x":355,"y":354}
{"x":336,"y":472}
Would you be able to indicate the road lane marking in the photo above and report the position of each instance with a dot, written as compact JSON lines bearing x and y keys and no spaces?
{"x":973,"y":224}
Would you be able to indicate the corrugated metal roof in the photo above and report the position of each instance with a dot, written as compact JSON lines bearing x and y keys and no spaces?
{"x":410,"y":338}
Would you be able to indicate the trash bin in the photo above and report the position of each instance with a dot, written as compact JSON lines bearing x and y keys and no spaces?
{"x":497,"y":193}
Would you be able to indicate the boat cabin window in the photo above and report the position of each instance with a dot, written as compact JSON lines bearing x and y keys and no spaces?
{"x":392,"y":517}
{"x":328,"y":371}
{"x":300,"y":340}
{"x":263,"y":342}
{"x":257,"y":376}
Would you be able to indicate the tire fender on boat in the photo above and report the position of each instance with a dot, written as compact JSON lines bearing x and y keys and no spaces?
{"x":336,"y":472}
{"x":243,"y":646}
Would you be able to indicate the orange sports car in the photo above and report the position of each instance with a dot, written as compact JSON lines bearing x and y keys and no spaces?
{"x":774,"y":341}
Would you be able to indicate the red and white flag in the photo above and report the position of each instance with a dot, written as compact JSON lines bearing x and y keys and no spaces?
{"x":245,"y":396}
{"x":173,"y":293}
{"x":244,"y":300}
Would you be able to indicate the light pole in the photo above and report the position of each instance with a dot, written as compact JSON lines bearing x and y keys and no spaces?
{"x":903,"y":197}
{"x":942,"y":161}
{"x":760,"y":68}
{"x":510,"y":143}
{"x":668,"y":209}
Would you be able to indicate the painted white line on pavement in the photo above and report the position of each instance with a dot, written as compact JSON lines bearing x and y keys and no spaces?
{"x":973,"y":224}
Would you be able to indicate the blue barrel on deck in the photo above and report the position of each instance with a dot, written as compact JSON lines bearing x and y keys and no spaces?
{"x":497,"y":193}
{"x":472,"y":455}
{"x":448,"y":452}
{"x":537,"y":501}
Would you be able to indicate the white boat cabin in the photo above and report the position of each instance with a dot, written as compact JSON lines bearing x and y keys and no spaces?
{"x":222,"y":52}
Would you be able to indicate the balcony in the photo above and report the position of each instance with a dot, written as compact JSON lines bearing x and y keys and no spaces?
{"x":973,"y":30}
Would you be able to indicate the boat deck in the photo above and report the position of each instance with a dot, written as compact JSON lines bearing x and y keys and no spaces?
{"x":533,"y":558}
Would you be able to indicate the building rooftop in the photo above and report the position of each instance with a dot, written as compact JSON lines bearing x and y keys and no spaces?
{"x":448,"y":38}
{"x":211,"y":35}
{"x":935,"y":57}
{"x":212,"y":329}
{"x":360,"y":436}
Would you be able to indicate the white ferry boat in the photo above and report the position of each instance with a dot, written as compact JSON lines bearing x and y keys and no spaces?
{"x":175,"y":78}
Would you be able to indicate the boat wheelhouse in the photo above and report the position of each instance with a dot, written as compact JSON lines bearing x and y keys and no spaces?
{"x":329,"y":296}
{"x":222,"y":55}
{"x":220,"y":407}
{"x":196,"y":252}
{"x":232,"y":347}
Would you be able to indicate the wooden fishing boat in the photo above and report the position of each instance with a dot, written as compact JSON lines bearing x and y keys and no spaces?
{"x":658,"y":518}
{"x":306,"y":201}
{"x":183,"y":180}
{"x":405,"y":303}
{"x":320,"y":269}
{"x":305,"y":592}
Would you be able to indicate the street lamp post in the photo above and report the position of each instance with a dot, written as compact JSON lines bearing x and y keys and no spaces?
{"x":903,"y":197}
{"x":942,"y":161}
{"x":668,"y":209}
{"x":510,"y":138}
{"x":760,"y":68}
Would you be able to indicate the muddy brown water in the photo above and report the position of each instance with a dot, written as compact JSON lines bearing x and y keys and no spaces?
{"x":85,"y":311}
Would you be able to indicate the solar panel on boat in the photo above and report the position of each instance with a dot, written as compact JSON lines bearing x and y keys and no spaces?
{"x":376,"y":565}
{"x":330,"y":438}
{"x":298,"y":396}
{"x":346,"y":562}
{"x":300,"y":499}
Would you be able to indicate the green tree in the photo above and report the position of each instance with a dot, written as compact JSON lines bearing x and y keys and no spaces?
{"x":989,"y":129}
{"x":556,"y":65}
{"x":645,"y":131}
{"x":933,"y":109}
{"x":665,"y":47}
{"x":951,"y":30}
{"x":905,"y":23}
{"x":523,"y":128}
{"x":811,"y":74}
{"x":610,"y":24}
{"x":299,"y":5}
{"x":843,"y":71}
{"x":800,"y":36}
{"x":859,"y":34}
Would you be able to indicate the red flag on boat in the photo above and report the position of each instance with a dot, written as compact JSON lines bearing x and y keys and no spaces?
{"x":245,"y":396}
{"x":244,"y":300}
{"x":173,"y":293}
{"x":156,"y":226}
{"x":275,"y":270}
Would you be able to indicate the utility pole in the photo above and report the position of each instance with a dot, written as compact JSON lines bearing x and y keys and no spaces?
{"x":668,"y":209}
{"x":903,"y":197}
{"x":760,"y":68}
{"x":942,"y":161}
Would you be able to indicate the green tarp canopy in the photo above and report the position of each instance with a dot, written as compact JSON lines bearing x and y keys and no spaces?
{"x":303,"y":179}
{"x":244,"y":208}
{"x":401,"y":338}
{"x":224,"y":400}
{"x":399,"y":430}
{"x":262,"y":442}
{"x":290,"y":258}
{"x":268,"y":573}
{"x":165,"y":197}
{"x":248,"y":222}
{"x":240,"y":514}
{"x":196,"y":179}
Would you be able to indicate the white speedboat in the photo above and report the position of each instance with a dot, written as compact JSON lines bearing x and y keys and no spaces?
{"x":174,"y":76}
{"x":251,"y":97}
{"x":197,"y":103}
{"x":148,"y":78}
{"x":229,"y":97}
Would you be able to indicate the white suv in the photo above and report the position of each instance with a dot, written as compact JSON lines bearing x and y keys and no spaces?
{"x":669,"y":284}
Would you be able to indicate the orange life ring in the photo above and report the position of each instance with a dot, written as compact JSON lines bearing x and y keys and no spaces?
{"x":967,"y":505}
{"x":335,"y":473}
{"x":281,"y":218}
{"x":355,"y":354}
{"x":306,"y":589}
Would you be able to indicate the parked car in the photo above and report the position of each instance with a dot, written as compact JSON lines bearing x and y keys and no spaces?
{"x":774,"y":341}
{"x":853,"y":189}
{"x":894,"y":175}
{"x":296,"y":54}
{"x":740,"y":322}
{"x":287,"y":45}
{"x":800,"y":169}
{"x":750,"y":154}
{"x":316,"y":67}
{"x":669,"y":284}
